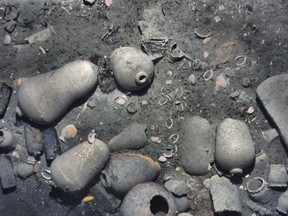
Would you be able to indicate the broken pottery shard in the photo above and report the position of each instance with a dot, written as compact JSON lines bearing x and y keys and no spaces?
{"x":283,"y":203}
{"x":277,"y":176}
{"x":234,"y":152}
{"x":5,"y":94}
{"x":225,"y":195}
{"x":7,"y":176}
{"x":51,"y":144}
{"x":273,"y":94}
{"x":197,"y":149}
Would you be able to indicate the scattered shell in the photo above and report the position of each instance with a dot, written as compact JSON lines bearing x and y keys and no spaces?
{"x":202,"y":31}
{"x":217,"y":19}
{"x":120,"y":100}
{"x":168,"y":82}
{"x":206,"y":40}
{"x":162,"y":159}
{"x":169,"y":123}
{"x":92,"y":137}
{"x":46,"y":174}
{"x":196,"y":64}
{"x":169,"y":73}
{"x":192,"y":79}
{"x":174,"y":138}
{"x":31,"y":160}
{"x":168,"y":153}
{"x":221,"y":7}
{"x":155,"y":139}
{"x":205,"y":54}
{"x":250,"y":110}
{"x":240,"y":60}
{"x":92,"y":103}
{"x":131,"y":108}
{"x":68,"y":132}
{"x":208,"y":75}
{"x":144,"y":103}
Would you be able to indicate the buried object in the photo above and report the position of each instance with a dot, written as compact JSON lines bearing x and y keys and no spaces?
{"x":5,"y":95}
{"x":73,"y":170}
{"x":51,"y":144}
{"x":6,"y":140}
{"x":148,"y":199}
{"x":197,"y":149}
{"x":7,"y":176}
{"x":132,"y":137}
{"x":273,"y":94}
{"x":234,"y":152}
{"x":133,"y":69}
{"x":43,"y":99}
{"x":124,"y":171}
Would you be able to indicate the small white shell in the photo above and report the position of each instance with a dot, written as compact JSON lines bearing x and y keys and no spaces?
{"x":92,"y":137}
{"x":162,"y":159}
{"x":68,"y":132}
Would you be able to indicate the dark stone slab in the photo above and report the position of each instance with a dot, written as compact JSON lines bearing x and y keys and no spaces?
{"x":5,"y":94}
{"x":51,"y":143}
{"x":7,"y":176}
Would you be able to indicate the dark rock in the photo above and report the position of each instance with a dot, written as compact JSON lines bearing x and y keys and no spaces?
{"x":5,"y":95}
{"x":106,"y":200}
{"x":273,"y":94}
{"x":51,"y":144}
{"x":33,"y":141}
{"x":8,"y":180}
{"x":10,"y":26}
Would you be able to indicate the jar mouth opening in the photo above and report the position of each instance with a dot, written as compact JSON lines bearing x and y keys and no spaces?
{"x":256,"y":185}
{"x":141,"y":77}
